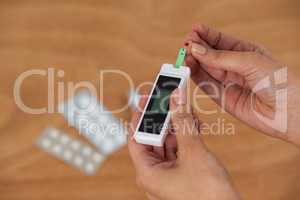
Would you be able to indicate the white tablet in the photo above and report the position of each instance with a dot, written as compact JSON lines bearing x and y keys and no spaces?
{"x":153,"y":124}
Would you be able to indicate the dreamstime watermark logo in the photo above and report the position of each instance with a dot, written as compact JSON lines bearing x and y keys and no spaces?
{"x":84,"y":108}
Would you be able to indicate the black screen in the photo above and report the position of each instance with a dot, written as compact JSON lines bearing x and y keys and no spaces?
{"x":158,"y":107}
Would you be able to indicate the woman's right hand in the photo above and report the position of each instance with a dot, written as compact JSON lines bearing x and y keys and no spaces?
{"x":251,"y":84}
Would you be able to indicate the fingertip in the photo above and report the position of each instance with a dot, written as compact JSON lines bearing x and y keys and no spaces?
{"x":189,"y":46}
{"x":142,"y":102}
{"x":173,"y":98}
{"x":199,"y":28}
{"x":196,"y":26}
{"x":187,"y":41}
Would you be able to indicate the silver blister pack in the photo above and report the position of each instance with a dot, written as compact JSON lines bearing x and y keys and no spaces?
{"x":73,"y":152}
{"x":95,"y":122}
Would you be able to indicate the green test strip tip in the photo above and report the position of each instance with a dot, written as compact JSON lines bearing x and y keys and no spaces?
{"x":180,"y":57}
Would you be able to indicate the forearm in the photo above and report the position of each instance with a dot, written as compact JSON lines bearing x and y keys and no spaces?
{"x":293,"y":116}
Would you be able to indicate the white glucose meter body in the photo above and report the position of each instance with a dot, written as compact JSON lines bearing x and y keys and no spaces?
{"x":152,"y":128}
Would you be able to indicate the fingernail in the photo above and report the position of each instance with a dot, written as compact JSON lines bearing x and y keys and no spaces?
{"x":198,"y":49}
{"x":181,"y":97}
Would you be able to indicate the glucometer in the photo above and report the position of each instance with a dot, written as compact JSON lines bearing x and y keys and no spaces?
{"x":153,"y":124}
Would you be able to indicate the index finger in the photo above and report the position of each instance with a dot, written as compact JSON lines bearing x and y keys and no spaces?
{"x":221,"y":41}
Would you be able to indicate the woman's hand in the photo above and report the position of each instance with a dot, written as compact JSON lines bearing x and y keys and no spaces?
{"x":251,"y":84}
{"x":184,"y":168}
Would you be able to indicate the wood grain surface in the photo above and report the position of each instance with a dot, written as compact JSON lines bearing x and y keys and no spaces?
{"x":83,"y":37}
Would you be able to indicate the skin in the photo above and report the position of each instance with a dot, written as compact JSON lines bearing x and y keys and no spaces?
{"x":235,"y":67}
{"x":184,"y":168}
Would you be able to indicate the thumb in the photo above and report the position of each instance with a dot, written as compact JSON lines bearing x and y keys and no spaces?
{"x":242,"y":63}
{"x":184,"y":124}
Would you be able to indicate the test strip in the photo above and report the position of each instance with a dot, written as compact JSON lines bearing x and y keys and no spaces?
{"x":180,"y":57}
{"x":71,"y":151}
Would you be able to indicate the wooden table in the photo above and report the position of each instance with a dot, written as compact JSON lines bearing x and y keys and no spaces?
{"x":83,"y":37}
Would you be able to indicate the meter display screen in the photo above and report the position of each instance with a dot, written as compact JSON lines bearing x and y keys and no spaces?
{"x":158,"y":106}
